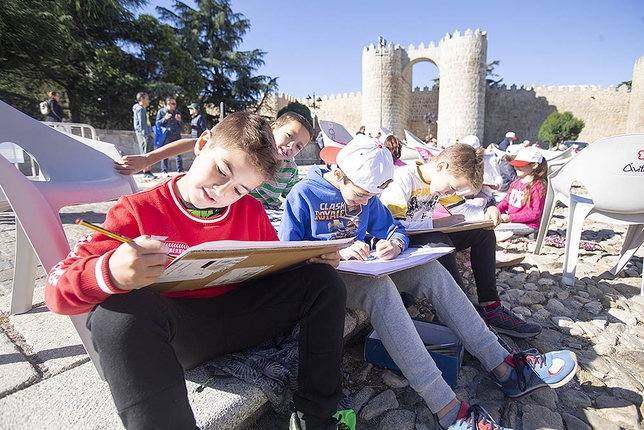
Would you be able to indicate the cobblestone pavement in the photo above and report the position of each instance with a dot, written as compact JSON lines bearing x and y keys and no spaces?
{"x":601,"y":318}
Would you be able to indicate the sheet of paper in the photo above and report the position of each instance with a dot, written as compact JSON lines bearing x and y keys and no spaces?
{"x":408,"y":258}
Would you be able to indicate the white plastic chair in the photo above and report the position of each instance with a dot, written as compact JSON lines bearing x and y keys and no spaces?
{"x":334,"y":134}
{"x":73,"y":170}
{"x":611,"y":171}
{"x":413,"y":140}
{"x":77,"y":129}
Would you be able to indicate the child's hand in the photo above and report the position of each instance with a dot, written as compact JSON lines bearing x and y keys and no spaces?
{"x":130,"y":164}
{"x":505,"y":218}
{"x":358,"y":250}
{"x":137,"y":264}
{"x":492,"y":212}
{"x":332,"y":259}
{"x":386,"y":250}
{"x":448,"y":221}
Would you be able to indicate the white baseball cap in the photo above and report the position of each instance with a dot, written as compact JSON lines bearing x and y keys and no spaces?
{"x":365,"y":161}
{"x":511,"y":135}
{"x":527,"y":155}
{"x":471,"y":140}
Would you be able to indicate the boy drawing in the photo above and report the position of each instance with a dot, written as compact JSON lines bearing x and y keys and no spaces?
{"x":348,"y":192}
{"x":146,"y":339}
{"x":292,"y":133}
{"x":412,"y":197}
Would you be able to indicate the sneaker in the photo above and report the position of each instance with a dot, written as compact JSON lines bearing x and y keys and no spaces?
{"x":149,"y":175}
{"x":507,"y":322}
{"x":474,"y":418}
{"x":533,"y":371}
{"x":179,"y":172}
{"x":297,"y":422}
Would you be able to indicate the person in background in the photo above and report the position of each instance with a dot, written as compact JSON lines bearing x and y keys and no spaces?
{"x":56,"y":113}
{"x":361,"y":130}
{"x":143,"y":129}
{"x":510,"y":136}
{"x":522,"y":206}
{"x":197,"y":123}
{"x":170,"y":118}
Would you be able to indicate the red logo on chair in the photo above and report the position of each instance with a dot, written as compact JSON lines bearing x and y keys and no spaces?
{"x":640,"y":154}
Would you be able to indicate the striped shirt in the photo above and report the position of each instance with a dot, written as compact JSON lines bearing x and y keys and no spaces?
{"x":270,"y":192}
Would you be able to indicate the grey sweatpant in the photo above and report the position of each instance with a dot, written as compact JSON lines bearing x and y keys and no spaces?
{"x":380,"y":297}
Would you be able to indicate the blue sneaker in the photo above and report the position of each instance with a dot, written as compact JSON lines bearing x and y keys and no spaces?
{"x":533,"y":371}
{"x":474,"y":418}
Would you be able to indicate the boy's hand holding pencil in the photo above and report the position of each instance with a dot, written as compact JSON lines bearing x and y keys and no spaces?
{"x":135,"y":264}
{"x":385,"y":249}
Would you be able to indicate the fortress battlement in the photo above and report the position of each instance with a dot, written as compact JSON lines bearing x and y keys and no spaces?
{"x":560,"y":88}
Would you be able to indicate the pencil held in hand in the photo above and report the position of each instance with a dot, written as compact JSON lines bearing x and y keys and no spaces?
{"x":108,"y":233}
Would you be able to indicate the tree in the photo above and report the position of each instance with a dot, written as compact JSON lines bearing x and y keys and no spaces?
{"x":210,"y":35}
{"x":491,"y":82}
{"x":559,"y":127}
{"x":628,"y":84}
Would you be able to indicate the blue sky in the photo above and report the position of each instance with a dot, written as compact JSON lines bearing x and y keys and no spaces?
{"x":316,"y":46}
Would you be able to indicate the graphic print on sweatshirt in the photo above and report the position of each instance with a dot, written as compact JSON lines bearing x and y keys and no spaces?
{"x":342,"y":220}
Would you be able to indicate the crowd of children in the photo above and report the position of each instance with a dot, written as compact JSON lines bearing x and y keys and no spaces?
{"x":146,"y":339}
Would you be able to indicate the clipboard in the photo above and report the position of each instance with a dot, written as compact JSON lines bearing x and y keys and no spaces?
{"x":226,"y":262}
{"x":461,"y":226}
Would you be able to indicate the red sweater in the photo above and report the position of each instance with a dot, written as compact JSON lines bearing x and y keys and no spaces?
{"x":80,"y":281}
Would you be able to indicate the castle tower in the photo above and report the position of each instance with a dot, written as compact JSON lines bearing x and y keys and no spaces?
{"x":387,"y":80}
{"x":461,"y":99}
{"x":386,"y":89}
{"x":635,"y":122}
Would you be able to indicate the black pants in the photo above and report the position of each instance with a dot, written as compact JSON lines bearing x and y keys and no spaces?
{"x":482,"y":244}
{"x":146,"y":340}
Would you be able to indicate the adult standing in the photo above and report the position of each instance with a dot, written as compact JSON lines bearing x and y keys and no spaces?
{"x":143,"y":128}
{"x":170,"y":118}
{"x":197,"y":123}
{"x":55,"y":113}
{"x":361,"y":130}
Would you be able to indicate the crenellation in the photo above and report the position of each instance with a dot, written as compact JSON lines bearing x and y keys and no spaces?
{"x":467,"y":105}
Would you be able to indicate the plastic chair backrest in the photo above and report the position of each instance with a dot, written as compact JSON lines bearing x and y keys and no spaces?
{"x":611,"y":170}
{"x":334,"y":134}
{"x":73,"y":169}
{"x":41,"y":224}
{"x":550,"y":155}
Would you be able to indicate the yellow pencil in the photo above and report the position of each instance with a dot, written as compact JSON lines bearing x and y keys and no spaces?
{"x":391,"y":233}
{"x":106,"y":232}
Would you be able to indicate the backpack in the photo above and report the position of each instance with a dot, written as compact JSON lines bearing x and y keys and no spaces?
{"x":44,"y":108}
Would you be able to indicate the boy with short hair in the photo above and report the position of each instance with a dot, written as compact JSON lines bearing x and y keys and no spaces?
{"x":412,"y":198}
{"x":292,"y":133}
{"x":342,"y":203}
{"x":146,"y":339}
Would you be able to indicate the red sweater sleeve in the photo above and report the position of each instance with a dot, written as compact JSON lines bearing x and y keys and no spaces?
{"x":80,"y":281}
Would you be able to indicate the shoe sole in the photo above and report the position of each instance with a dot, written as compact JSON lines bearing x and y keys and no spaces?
{"x":515,"y":334}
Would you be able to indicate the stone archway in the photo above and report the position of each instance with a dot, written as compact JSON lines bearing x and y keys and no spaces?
{"x":387,"y":84}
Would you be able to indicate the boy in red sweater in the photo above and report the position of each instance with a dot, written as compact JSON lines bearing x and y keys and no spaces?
{"x":146,"y":339}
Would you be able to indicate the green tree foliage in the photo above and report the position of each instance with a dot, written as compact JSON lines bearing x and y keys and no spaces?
{"x":559,"y":127}
{"x":491,"y":76}
{"x":296,"y":107}
{"x":210,"y":35}
{"x":98,"y":55}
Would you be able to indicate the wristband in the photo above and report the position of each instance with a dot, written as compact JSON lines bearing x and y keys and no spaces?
{"x":399,"y":243}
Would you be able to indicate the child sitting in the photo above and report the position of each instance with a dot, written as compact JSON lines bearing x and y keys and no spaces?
{"x":412,"y":197}
{"x":522,"y":206}
{"x":343,"y":203}
{"x":146,"y":339}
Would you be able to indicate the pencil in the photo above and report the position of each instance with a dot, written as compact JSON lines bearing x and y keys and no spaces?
{"x":391,"y":233}
{"x":108,"y":233}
